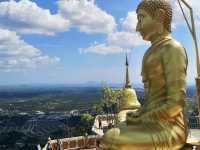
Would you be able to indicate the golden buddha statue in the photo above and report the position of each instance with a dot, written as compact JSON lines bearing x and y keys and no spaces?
{"x":159,"y":124}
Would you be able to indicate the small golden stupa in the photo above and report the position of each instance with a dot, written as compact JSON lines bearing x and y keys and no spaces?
{"x":129,"y":102}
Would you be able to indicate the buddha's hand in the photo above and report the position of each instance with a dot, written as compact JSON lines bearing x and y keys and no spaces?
{"x":133,"y":118}
{"x":134,"y":114}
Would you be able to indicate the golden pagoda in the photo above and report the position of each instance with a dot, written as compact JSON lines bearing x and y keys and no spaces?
{"x":129,"y":102}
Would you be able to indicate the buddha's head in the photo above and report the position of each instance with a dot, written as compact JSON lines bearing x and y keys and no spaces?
{"x":154,"y":18}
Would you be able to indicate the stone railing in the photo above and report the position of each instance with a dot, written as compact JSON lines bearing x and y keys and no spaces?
{"x":81,"y":142}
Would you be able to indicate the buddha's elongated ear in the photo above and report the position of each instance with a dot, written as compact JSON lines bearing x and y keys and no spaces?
{"x":160,"y":15}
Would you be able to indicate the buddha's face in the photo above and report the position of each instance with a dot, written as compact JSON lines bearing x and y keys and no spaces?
{"x":146,"y":25}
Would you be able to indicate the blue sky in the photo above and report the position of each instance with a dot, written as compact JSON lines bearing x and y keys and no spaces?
{"x":77,"y":41}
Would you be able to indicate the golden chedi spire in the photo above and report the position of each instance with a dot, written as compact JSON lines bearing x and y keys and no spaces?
{"x":128,"y":83}
{"x":129,"y":100}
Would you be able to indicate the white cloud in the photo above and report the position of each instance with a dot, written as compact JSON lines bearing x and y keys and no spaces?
{"x":26,"y":17}
{"x":117,"y":42}
{"x":102,"y":49}
{"x":129,"y":24}
{"x":16,"y":54}
{"x":125,"y":40}
{"x":87,"y":16}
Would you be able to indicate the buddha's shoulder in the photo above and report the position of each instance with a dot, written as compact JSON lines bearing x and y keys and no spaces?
{"x":172,"y":46}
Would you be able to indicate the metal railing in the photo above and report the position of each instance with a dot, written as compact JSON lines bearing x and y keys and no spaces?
{"x":194,"y":122}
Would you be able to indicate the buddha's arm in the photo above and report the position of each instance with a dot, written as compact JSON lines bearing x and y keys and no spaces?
{"x":174,"y":61}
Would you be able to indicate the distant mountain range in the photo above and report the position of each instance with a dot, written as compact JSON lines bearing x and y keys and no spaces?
{"x":55,"y":86}
{"x":35,"y":88}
